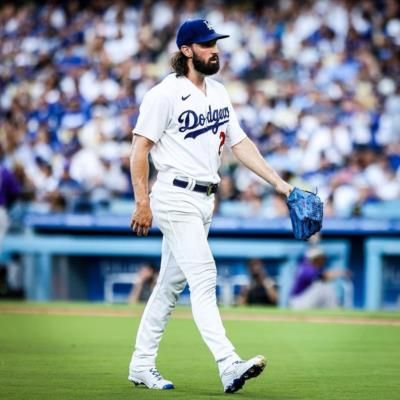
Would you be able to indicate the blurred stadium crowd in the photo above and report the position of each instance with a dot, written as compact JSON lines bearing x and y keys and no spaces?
{"x":315,"y":83}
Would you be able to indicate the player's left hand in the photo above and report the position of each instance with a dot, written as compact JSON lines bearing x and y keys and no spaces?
{"x":284,"y":188}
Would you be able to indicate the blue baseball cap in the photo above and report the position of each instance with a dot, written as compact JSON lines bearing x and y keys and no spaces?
{"x":196,"y":31}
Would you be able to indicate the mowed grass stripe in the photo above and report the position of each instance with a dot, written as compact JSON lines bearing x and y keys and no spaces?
{"x":228,"y":313}
{"x":76,"y":357}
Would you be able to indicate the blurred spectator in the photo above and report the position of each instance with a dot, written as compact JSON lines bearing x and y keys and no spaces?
{"x":227,"y":189}
{"x":312,"y":286}
{"x":262,"y":289}
{"x":3,"y":283}
{"x":143,"y":286}
{"x":69,"y":188}
{"x":6,"y":291}
{"x":9,"y":192}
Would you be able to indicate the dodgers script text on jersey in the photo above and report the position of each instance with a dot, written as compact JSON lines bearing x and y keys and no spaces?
{"x":191,"y":120}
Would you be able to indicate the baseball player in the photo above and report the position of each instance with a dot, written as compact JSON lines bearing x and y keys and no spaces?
{"x":184,"y":123}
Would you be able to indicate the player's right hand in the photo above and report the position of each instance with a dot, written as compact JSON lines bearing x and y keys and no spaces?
{"x":141,"y":219}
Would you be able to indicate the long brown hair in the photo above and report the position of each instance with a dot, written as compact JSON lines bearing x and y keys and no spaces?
{"x":179,"y":64}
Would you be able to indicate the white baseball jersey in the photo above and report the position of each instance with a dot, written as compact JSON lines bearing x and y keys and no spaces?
{"x":188,"y":127}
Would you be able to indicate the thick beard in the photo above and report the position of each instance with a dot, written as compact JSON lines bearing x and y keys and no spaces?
{"x":206,"y":68}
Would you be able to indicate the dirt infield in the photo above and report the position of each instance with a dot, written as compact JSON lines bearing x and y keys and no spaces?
{"x":186,"y":314}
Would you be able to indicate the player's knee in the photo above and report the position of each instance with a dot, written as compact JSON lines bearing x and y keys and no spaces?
{"x":177,"y":290}
{"x":204,"y":283}
{"x":171,"y":290}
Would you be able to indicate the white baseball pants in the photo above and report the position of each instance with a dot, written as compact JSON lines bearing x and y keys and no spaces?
{"x":184,"y":218}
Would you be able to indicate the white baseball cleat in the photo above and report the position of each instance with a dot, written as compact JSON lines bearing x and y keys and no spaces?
{"x":150,"y":378}
{"x":234,"y":377}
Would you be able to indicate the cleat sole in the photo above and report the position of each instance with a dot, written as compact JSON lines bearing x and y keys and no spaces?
{"x":136,"y":382}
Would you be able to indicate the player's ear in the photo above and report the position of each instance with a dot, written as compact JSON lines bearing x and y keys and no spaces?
{"x":187,"y":51}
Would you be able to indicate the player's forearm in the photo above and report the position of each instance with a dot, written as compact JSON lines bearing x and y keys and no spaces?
{"x":247,"y":153}
{"x":139,"y":166}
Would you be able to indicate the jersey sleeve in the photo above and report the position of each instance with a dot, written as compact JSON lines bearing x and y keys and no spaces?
{"x":235,"y":133}
{"x":154,"y":115}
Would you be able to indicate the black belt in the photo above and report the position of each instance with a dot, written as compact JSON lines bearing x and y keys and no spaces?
{"x":198,"y":187}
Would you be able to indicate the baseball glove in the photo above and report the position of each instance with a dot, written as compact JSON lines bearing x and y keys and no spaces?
{"x":306,"y":212}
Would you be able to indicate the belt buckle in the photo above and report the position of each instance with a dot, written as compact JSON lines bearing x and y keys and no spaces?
{"x":210,"y":188}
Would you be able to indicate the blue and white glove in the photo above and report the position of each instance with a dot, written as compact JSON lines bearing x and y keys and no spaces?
{"x":306,"y":213}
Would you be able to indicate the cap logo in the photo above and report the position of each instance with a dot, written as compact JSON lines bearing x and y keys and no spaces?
{"x":209,"y":26}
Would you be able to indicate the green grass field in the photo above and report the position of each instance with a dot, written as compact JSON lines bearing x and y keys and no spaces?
{"x":86,"y":357}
